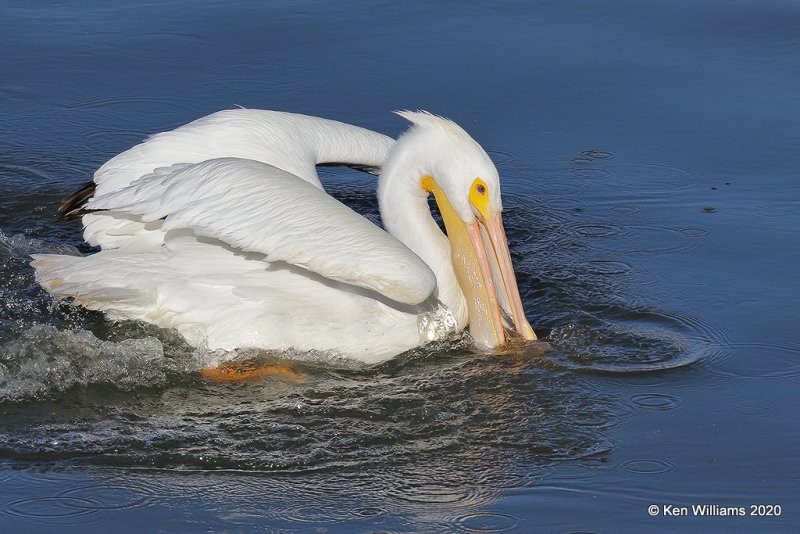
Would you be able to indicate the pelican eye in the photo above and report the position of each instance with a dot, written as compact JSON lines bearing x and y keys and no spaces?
{"x":479,"y":196}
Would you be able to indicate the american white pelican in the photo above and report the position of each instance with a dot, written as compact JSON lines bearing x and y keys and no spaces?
{"x":221,"y":230}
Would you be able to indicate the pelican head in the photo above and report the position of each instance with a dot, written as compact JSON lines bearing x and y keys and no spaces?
{"x":446,"y":162}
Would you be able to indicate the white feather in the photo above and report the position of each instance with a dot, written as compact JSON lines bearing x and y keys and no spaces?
{"x":220,"y":298}
{"x":292,"y":142}
{"x":252,"y":206}
{"x":289,"y":141}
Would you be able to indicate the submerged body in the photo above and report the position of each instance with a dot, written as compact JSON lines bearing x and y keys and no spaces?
{"x":221,"y":230}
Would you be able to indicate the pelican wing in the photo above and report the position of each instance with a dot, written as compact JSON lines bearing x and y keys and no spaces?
{"x":290,"y":141}
{"x":256,"y":207}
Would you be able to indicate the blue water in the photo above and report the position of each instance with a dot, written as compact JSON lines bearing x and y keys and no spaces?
{"x":649,"y":155}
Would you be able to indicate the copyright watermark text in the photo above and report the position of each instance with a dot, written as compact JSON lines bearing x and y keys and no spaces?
{"x":714,"y":510}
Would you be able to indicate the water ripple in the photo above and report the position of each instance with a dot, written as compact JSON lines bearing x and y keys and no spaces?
{"x":753,"y":409}
{"x":648,"y":466}
{"x":695,"y":232}
{"x":598,"y":230}
{"x":50,"y":507}
{"x":591,"y":173}
{"x":594,"y":154}
{"x":656,"y":401}
{"x":501,"y":158}
{"x":774,"y":361}
{"x":137,"y":100}
{"x":623,"y":209}
{"x":107,"y":496}
{"x":625,"y":341}
{"x":487,"y":522}
{"x":607,"y":267}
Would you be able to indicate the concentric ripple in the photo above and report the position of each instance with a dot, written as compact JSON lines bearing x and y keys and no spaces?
{"x":50,"y":507}
{"x":656,"y":401}
{"x":487,"y":522}
{"x":623,"y":341}
{"x":775,"y":361}
{"x":648,"y":466}
{"x":106,"y":496}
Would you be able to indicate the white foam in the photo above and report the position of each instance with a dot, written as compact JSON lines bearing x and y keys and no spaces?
{"x":19,"y":246}
{"x":44,"y":360}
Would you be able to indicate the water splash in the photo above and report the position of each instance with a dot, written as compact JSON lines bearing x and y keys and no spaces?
{"x":19,"y":247}
{"x":44,"y":361}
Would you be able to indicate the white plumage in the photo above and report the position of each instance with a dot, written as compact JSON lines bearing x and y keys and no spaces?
{"x":290,"y":141}
{"x":221,"y":230}
{"x":252,"y":207}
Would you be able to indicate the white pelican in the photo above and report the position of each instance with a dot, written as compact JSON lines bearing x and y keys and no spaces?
{"x":221,"y":230}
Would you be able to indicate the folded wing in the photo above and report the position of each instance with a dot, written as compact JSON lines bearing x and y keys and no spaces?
{"x":256,"y":207}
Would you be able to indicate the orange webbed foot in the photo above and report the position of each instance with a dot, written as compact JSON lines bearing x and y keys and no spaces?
{"x":249,"y":370}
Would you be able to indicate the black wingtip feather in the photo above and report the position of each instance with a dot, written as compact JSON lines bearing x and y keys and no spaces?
{"x":71,"y":207}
